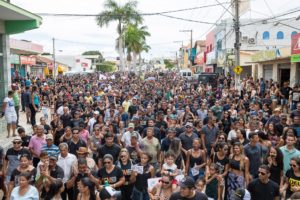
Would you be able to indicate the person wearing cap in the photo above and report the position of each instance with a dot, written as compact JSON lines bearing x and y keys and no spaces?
{"x":126,"y":137}
{"x":11,"y":159}
{"x":187,"y":138}
{"x":188,"y":191}
{"x":83,"y":152}
{"x":50,"y":147}
{"x":54,"y":172}
{"x":134,"y":148}
{"x":262,"y":188}
{"x":242,"y":194}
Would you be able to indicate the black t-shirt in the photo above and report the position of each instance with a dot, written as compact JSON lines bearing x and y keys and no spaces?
{"x":57,"y":136}
{"x":15,"y":176}
{"x":220,"y":163}
{"x":113,"y":150}
{"x":57,"y":172}
{"x":261,"y":191}
{"x":47,"y":129}
{"x":292,"y":180}
{"x":74,"y":147}
{"x":126,"y":169}
{"x":112,"y":177}
{"x":198,"y":196}
{"x":66,"y":120}
{"x":25,"y":141}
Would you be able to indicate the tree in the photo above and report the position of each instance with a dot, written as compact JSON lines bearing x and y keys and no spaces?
{"x":89,"y":53}
{"x":123,"y":14}
{"x":135,"y":41}
{"x":169,"y":64}
{"x":106,"y":66}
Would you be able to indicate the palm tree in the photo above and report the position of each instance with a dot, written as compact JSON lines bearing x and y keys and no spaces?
{"x":135,"y":41}
{"x":123,"y":14}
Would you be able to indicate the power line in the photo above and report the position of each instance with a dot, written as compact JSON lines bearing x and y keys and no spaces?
{"x":188,"y":20}
{"x":143,"y":14}
{"x":270,"y":18}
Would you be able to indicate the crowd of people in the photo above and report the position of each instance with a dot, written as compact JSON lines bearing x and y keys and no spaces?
{"x":156,"y":136}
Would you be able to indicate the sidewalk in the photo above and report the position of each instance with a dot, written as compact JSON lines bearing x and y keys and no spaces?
{"x":6,"y":143}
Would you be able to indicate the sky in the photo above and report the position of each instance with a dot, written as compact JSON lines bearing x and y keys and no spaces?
{"x":74,"y":35}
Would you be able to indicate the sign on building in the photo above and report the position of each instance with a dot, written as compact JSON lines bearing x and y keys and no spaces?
{"x":295,"y":48}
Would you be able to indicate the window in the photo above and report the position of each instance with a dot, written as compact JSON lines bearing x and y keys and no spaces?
{"x":294,"y":33}
{"x":266,"y":35}
{"x":280,"y":35}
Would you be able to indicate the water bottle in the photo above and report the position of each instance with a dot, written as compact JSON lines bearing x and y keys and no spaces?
{"x":106,"y":183}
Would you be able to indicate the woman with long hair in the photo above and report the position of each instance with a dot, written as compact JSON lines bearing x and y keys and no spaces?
{"x":86,"y":190}
{"x":292,"y":177}
{"x":162,"y":190}
{"x":272,"y":135}
{"x":67,"y":136}
{"x":24,"y":191}
{"x":196,"y":160}
{"x":96,"y":139}
{"x":238,"y":173}
{"x":125,"y":163}
{"x":54,"y":190}
{"x":274,"y":159}
{"x":241,"y":137}
{"x":175,"y":147}
{"x":34,"y":104}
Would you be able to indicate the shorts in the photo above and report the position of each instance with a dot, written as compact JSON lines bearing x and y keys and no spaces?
{"x":284,"y":102}
{"x":11,"y":118}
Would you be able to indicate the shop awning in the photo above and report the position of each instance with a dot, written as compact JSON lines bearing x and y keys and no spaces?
{"x":16,"y":19}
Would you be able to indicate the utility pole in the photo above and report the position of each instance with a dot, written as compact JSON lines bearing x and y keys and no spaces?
{"x":53,"y":56}
{"x":237,"y":42}
{"x":191,"y":31}
{"x":181,"y":53}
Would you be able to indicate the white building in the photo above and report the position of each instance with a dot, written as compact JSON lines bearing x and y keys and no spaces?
{"x":257,"y":35}
{"x":77,"y":63}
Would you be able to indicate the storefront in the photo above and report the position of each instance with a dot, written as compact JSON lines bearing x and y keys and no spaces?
{"x":276,"y":64}
{"x":27,"y":63}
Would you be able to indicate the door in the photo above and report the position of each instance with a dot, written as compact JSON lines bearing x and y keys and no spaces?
{"x":284,"y":75}
{"x":268,"y":72}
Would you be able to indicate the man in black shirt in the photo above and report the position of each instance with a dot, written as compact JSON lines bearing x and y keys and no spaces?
{"x":25,"y":138}
{"x":75,"y":142}
{"x":187,"y":191}
{"x":262,"y":188}
{"x":108,"y":148}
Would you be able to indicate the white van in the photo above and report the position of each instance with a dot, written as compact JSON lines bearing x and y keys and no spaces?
{"x":187,"y":73}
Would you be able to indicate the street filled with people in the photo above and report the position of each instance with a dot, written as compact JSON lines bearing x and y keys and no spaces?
{"x":155,"y":136}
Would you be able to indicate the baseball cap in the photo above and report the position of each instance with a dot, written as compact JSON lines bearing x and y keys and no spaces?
{"x":241,"y":194}
{"x":96,"y":112}
{"x":134,"y":134}
{"x":53,"y":158}
{"x":187,"y":182}
{"x":131,"y":125}
{"x":49,"y":137}
{"x":17,"y":138}
{"x":189,"y":124}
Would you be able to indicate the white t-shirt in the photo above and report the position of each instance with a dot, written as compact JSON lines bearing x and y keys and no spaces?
{"x":32,"y":194}
{"x":231,"y":135}
{"x":126,"y":138}
{"x":10,"y":105}
{"x":172,"y":168}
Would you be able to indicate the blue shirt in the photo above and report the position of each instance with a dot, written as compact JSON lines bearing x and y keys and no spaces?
{"x":287,"y":155}
{"x":52,"y":151}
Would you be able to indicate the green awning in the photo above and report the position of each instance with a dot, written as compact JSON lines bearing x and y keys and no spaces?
{"x":16,"y":19}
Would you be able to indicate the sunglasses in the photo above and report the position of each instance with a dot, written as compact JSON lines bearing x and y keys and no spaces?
{"x":262,"y":173}
{"x":165,"y":182}
{"x":122,"y":156}
{"x":106,"y":163}
{"x":292,"y":165}
{"x":75,"y":132}
{"x":17,"y":142}
{"x":188,"y":127}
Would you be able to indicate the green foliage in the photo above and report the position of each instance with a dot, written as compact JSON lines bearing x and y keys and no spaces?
{"x":90,"y":53}
{"x":106,"y":66}
{"x":169,"y":64}
{"x":46,"y":54}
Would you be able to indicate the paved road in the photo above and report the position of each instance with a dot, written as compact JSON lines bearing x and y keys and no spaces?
{"x":6,"y":142}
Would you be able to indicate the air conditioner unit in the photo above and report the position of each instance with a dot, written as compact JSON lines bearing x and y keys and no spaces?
{"x":244,"y":38}
{"x":251,"y":41}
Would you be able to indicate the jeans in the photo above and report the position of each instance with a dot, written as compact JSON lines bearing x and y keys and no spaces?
{"x":140,"y":195}
{"x":32,"y":116}
{"x":200,"y":175}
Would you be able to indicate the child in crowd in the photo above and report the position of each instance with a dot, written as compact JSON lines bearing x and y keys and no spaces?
{"x":213,"y":184}
{"x":45,"y":108}
{"x":170,"y":168}
{"x":43,"y":165}
{"x":200,"y":184}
